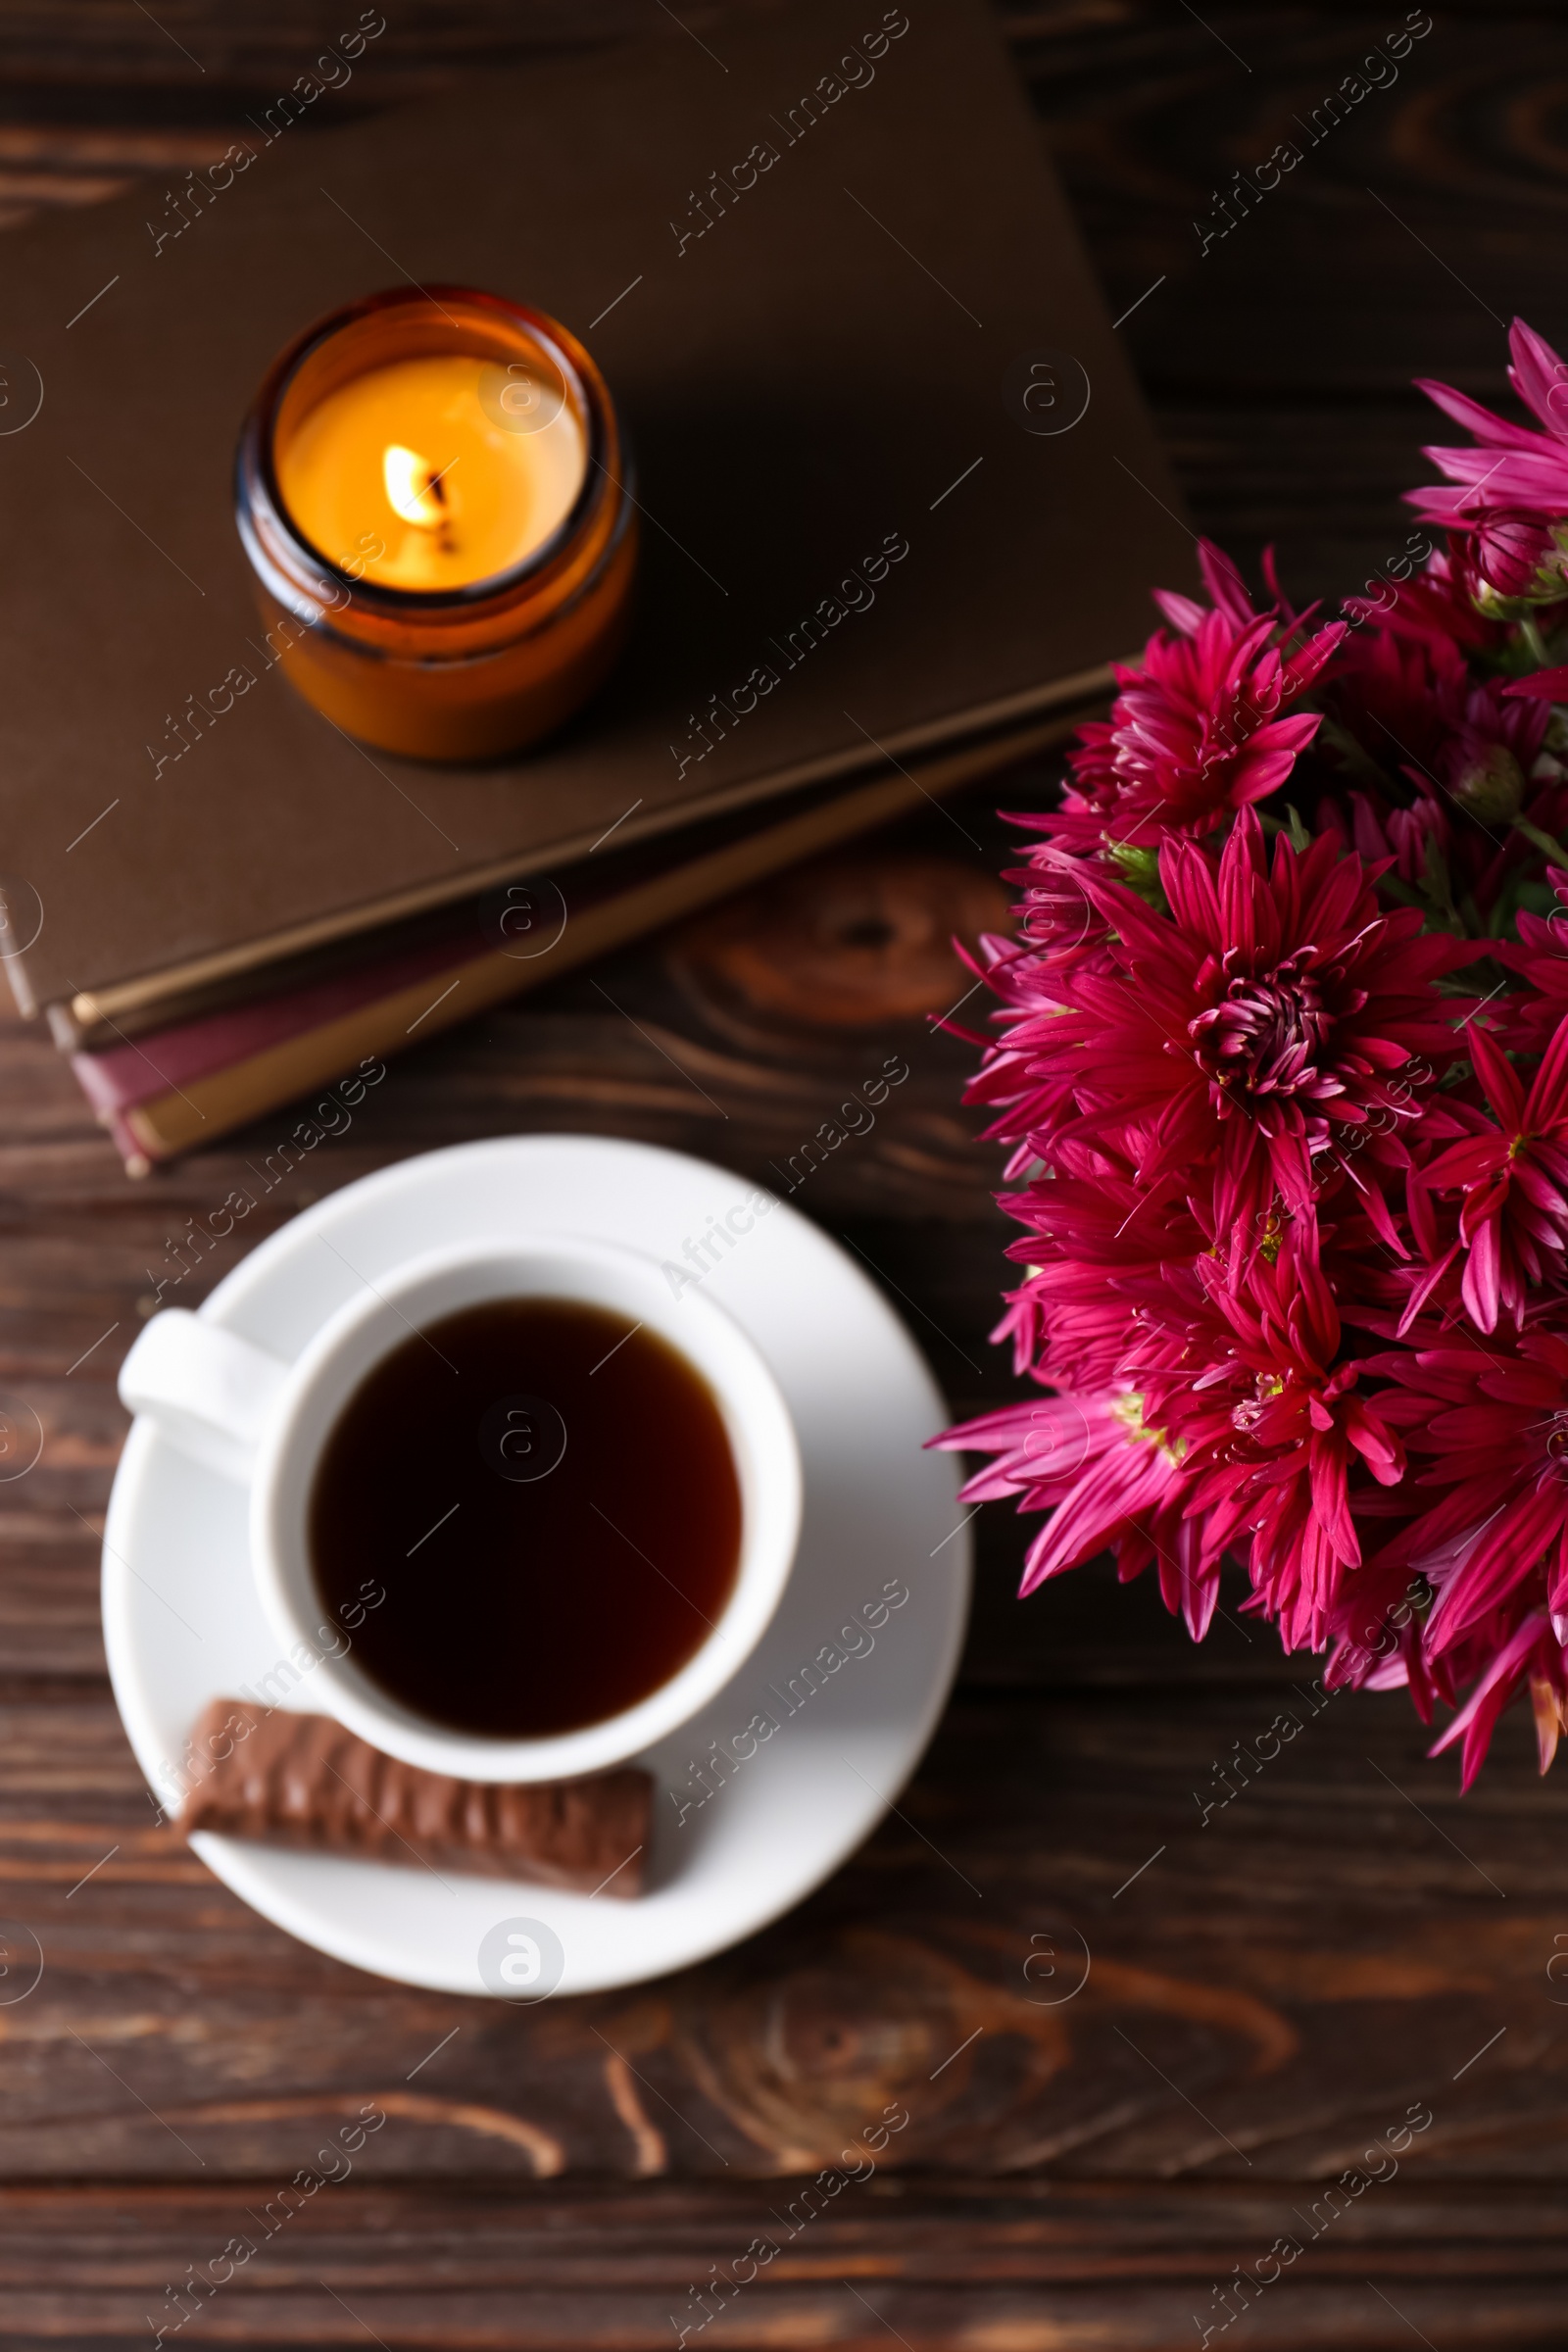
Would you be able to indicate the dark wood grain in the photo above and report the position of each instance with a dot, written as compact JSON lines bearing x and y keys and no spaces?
{"x":1272,"y":1988}
{"x":1275,"y":1989}
{"x":1033,"y":2266}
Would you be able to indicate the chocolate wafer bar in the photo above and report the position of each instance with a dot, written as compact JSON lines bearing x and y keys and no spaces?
{"x":303,"y":1781}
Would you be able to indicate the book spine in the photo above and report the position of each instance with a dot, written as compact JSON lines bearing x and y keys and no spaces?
{"x":170,"y":1124}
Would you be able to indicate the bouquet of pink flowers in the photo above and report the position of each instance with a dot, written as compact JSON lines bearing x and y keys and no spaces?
{"x":1281,"y":1058}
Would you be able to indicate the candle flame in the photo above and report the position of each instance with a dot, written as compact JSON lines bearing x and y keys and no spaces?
{"x":413,"y":487}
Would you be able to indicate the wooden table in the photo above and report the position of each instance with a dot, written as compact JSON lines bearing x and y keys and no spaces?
{"x":1271,"y":1991}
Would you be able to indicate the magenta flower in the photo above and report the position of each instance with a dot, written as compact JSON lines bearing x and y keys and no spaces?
{"x":1382,"y":690}
{"x":1468,"y":752}
{"x":1272,"y":1425}
{"x":1494,"y":1548}
{"x":1435,"y":608}
{"x":1211,"y":723}
{"x":1253,"y":1030}
{"x":1512,"y":491}
{"x":1487,"y":758}
{"x":1405,"y":839}
{"x":1095,"y":1253}
{"x":1107,"y":1480}
{"x":1290,"y":1283}
{"x":1531,"y":1653}
{"x":1513,"y":1217}
{"x":1540,"y":958}
{"x":1545,"y":686}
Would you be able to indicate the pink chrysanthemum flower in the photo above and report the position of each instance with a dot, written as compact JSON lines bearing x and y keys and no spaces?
{"x":1540,"y":958}
{"x":1435,"y":608}
{"x":1054,"y":916}
{"x":1273,"y":1425}
{"x":1408,"y":840}
{"x":1096,"y":1246}
{"x":1211,"y":722}
{"x":1512,"y":491}
{"x":1108,"y":1481}
{"x":1381,"y":691}
{"x":1251,"y":1031}
{"x":1513,"y":1181}
{"x":1504,"y":1660}
{"x":1487,"y":756}
{"x":1494,"y":1548}
{"x":1255,"y":1133}
{"x":1469,"y":753}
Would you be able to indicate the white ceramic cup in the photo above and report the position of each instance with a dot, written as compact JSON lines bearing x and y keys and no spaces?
{"x":254,"y":1420}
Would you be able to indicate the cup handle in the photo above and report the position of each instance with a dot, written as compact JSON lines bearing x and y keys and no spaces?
{"x":208,"y":1392}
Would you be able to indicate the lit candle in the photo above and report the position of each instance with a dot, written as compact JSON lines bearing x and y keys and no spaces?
{"x":431,"y":491}
{"x":412,"y":453}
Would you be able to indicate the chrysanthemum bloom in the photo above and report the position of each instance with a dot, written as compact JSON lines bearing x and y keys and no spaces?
{"x":1249,"y":1033}
{"x":1494,"y":1548}
{"x":1513,"y":494}
{"x":1096,"y":1246}
{"x":1540,"y":957}
{"x":1435,"y":606}
{"x":1254,"y":1146}
{"x":1272,"y":1425}
{"x":1211,"y":723}
{"x":1502,"y":1660}
{"x":1381,"y":691}
{"x":1108,"y":1482}
{"x":1461,"y":759}
{"x":1010,"y":1075}
{"x":1061,"y":931}
{"x":1486,"y":759}
{"x":1513,"y":1179}
{"x":1500,"y":789}
{"x":1409,"y":842}
{"x":1055,"y":917}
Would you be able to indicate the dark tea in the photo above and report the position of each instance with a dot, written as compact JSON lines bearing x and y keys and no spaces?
{"x":548,"y":1495}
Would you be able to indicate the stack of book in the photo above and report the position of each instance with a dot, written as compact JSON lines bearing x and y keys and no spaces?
{"x":898,"y":491}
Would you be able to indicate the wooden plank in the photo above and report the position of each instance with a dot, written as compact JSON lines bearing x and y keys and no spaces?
{"x":1072,"y":1949}
{"x":1033,"y":2268}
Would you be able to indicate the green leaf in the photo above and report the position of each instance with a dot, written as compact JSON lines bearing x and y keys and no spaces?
{"x":1137,"y":864}
{"x":1548,"y":847}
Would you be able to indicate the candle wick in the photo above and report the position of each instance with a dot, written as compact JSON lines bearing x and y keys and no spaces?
{"x":414,"y":487}
{"x":433,"y":487}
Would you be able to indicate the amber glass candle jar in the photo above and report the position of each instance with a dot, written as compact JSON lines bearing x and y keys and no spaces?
{"x":432,"y":492}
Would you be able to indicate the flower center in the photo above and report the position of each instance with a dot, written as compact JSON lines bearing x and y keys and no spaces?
{"x":1246,"y":1415}
{"x":1128,"y":1409}
{"x":1267,"y":1033}
{"x":1557,"y":1443}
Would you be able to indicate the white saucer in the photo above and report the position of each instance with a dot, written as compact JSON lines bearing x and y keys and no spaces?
{"x":183,"y":1624}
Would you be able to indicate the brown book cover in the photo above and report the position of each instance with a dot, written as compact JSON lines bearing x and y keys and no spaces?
{"x":187,"y":1084}
{"x":827,"y":271}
